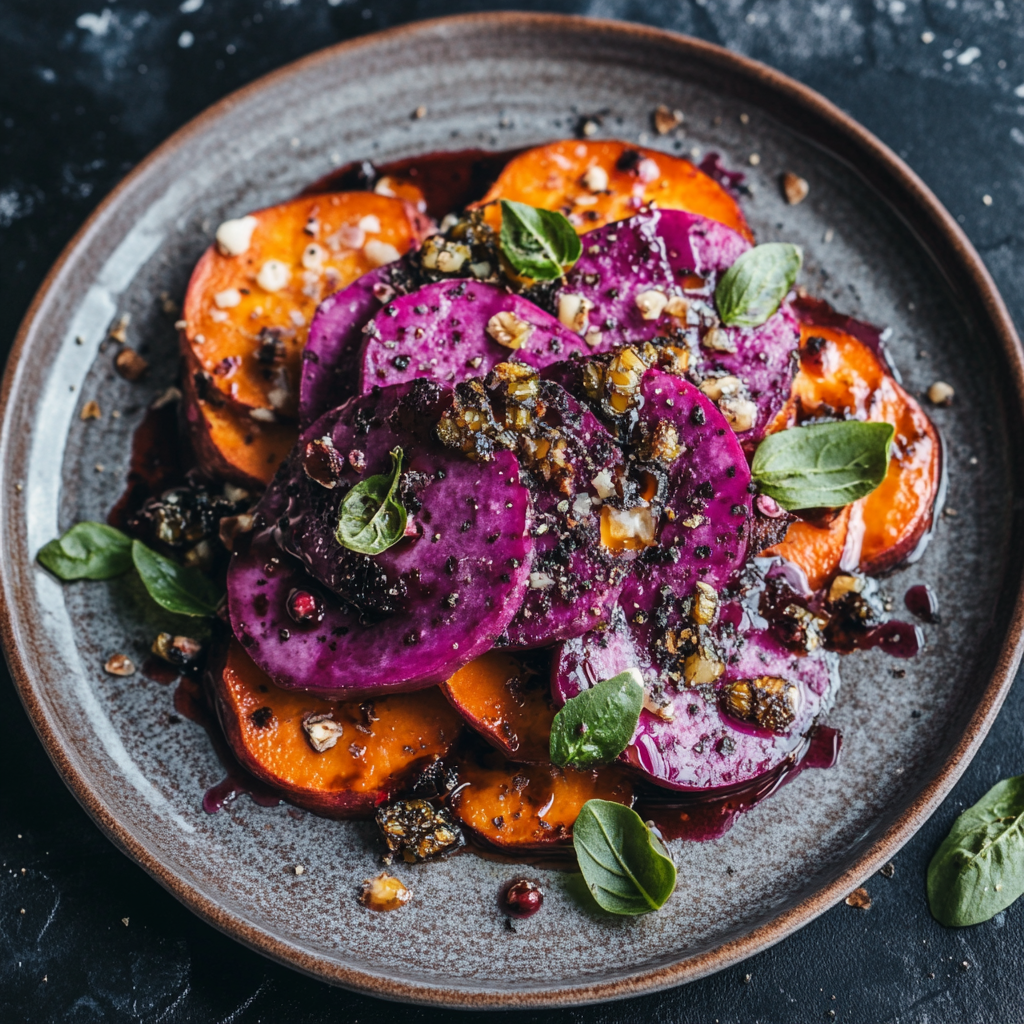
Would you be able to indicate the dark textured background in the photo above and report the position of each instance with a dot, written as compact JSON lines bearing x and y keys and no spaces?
{"x":86,"y":90}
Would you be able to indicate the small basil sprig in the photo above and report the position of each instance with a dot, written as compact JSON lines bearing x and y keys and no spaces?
{"x":372,"y":519}
{"x":979,"y":868}
{"x":750,"y":291}
{"x":825,"y":465}
{"x":173,"y":586}
{"x":96,"y":551}
{"x":540,"y":244}
{"x":597,"y":724}
{"x":88,"y":551}
{"x":625,"y":865}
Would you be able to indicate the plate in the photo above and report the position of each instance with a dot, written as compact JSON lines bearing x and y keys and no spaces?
{"x":878,"y":245}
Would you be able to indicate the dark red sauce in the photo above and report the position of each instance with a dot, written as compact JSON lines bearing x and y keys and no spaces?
{"x":922,"y":603}
{"x":899,"y":639}
{"x":159,"y":671}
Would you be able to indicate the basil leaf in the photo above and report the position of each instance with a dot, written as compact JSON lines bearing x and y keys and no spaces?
{"x":979,"y":868}
{"x":88,"y":551}
{"x":625,"y":865}
{"x":372,"y":519}
{"x":175,"y":587}
{"x":825,"y":465}
{"x":597,"y":724}
{"x":541,"y":244}
{"x":750,"y":291}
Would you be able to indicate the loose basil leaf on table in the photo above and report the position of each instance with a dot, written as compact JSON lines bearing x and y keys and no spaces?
{"x":753,"y":288}
{"x":625,"y":865}
{"x":175,"y":587}
{"x":372,"y":519}
{"x":541,"y":244}
{"x":88,"y":551}
{"x":979,"y":868}
{"x":824,"y":465}
{"x":596,"y":725}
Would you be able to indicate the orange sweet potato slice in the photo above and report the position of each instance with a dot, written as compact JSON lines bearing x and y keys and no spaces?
{"x":247,"y":315}
{"x":228,"y":443}
{"x":382,"y":745}
{"x":527,"y":806}
{"x":839,"y":374}
{"x":508,"y":701}
{"x":594,"y":183}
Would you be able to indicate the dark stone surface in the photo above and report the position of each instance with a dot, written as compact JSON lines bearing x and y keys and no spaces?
{"x":87,"y":936}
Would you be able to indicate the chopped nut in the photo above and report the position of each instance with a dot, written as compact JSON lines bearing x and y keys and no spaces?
{"x":574,"y":311}
{"x":90,"y":411}
{"x":588,"y":128}
{"x":509,"y":330}
{"x":754,"y":159}
{"x":440,"y":253}
{"x":119,"y":665}
{"x":273,"y":276}
{"x":541,"y":581}
{"x":794,"y":188}
{"x":176,"y":650}
{"x":703,"y":666}
{"x":859,"y":899}
{"x":666,"y":120}
{"x":418,"y":830}
{"x":129,"y":364}
{"x":677,"y":307}
{"x":299,"y":869}
{"x":739,"y":413}
{"x":662,"y":444}
{"x":384,"y":893}
{"x":843,"y":585}
{"x":234,"y":236}
{"x":705,"y":604}
{"x":592,"y":337}
{"x":716,"y":387}
{"x":119,"y":328}
{"x":659,"y":704}
{"x":379,"y":253}
{"x":166,"y":397}
{"x":420,"y":112}
{"x":651,"y":303}
{"x":767,"y":701}
{"x":595,"y":179}
{"x":232,"y":527}
{"x":940,"y":393}
{"x":718,"y":340}
{"x":322,"y":732}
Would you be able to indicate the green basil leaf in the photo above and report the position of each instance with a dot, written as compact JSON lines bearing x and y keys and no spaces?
{"x":824,"y":465}
{"x":597,"y":724}
{"x":541,"y":244}
{"x":625,"y":865}
{"x":372,"y":519}
{"x":175,"y":587}
{"x":750,"y":291}
{"x":979,"y":868}
{"x":88,"y":551}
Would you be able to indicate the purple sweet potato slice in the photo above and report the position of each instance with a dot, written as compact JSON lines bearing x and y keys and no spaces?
{"x":411,"y":615}
{"x":654,"y":276}
{"x":330,"y":361}
{"x":448,"y":331}
{"x":717,"y":733}
{"x":701,"y":479}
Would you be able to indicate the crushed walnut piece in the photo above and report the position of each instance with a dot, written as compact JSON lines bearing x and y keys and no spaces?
{"x":119,"y":328}
{"x":665,"y":119}
{"x":385,"y":892}
{"x":119,"y":665}
{"x":129,"y":364}
{"x":90,"y":411}
{"x":418,"y":830}
{"x":859,"y":899}
{"x":794,"y":188}
{"x":322,"y":731}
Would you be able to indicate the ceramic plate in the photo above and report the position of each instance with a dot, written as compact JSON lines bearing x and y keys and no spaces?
{"x":878,"y":245}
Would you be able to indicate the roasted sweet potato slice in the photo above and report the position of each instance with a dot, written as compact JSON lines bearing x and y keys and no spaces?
{"x":529,"y":807}
{"x":842,"y":375}
{"x":507,"y":699}
{"x":378,"y":746}
{"x":228,"y":443}
{"x":253,"y":293}
{"x":594,"y":183}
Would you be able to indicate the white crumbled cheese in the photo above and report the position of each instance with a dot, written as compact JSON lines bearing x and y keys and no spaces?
{"x":297,"y":318}
{"x":348,"y":236}
{"x":574,"y":311}
{"x":278,"y":397}
{"x":540,"y":581}
{"x":370,"y":224}
{"x":273,"y":276}
{"x":449,"y":262}
{"x":581,"y":506}
{"x":593,"y":337}
{"x":480,"y":270}
{"x":604,"y":484}
{"x":314,"y":256}
{"x":218,"y":316}
{"x":227,"y":299}
{"x":647,"y":170}
{"x":651,"y":303}
{"x":718,"y":340}
{"x":595,"y":179}
{"x":586,"y":200}
{"x":234,"y":236}
{"x":262,"y":415}
{"x":379,"y":253}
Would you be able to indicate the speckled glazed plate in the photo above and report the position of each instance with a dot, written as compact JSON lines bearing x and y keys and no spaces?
{"x":877,"y":244}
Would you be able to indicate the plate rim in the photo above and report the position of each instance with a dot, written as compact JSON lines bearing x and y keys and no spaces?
{"x":934,"y":227}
